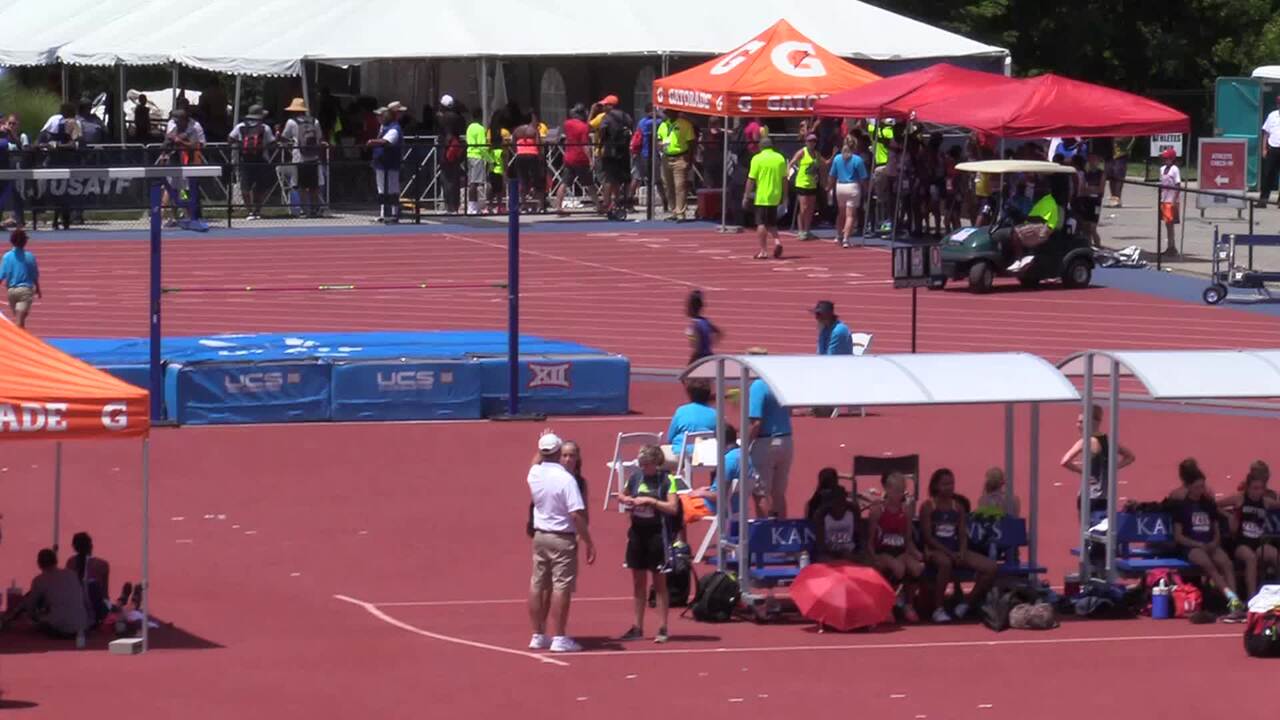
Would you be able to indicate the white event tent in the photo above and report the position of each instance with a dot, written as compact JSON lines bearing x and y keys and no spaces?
{"x":275,"y":37}
{"x":799,"y":381}
{"x":1169,"y":375}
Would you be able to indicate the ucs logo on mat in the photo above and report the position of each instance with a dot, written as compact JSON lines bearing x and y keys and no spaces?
{"x":549,"y":375}
{"x":410,"y":380}
{"x":257,"y":382}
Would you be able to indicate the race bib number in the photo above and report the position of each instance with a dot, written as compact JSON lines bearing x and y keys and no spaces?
{"x":893,"y":541}
{"x":1251,"y":529}
{"x":1200,"y":522}
{"x":945,"y":531}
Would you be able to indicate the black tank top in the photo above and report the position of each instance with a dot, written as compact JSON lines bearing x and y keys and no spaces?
{"x":1252,"y":515}
{"x":1098,"y":475}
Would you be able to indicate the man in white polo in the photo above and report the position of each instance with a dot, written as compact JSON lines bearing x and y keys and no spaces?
{"x":559,"y":520}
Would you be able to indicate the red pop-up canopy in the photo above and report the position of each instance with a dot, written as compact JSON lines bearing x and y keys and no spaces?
{"x":1054,"y":106}
{"x":897,"y":96}
{"x":778,"y":73}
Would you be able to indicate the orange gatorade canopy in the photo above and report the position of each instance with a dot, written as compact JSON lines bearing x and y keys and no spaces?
{"x":49,"y":395}
{"x":780,"y":72}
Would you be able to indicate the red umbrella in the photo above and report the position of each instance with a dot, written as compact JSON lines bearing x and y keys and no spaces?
{"x":843,"y":596}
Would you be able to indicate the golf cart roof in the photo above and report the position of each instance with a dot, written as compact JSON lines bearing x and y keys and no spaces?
{"x":998,"y":167}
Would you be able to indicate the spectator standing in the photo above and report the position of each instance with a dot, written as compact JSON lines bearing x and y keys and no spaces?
{"x":141,"y":120}
{"x":1270,"y":145}
{"x":559,"y":522}
{"x":253,"y":138}
{"x":1170,"y":194}
{"x":807,"y":164}
{"x":577,"y":158}
{"x":642,"y":163}
{"x":60,"y":138}
{"x":675,"y":137}
{"x":834,"y":337}
{"x":766,"y":192}
{"x":12,"y":142}
{"x":478,"y":157}
{"x":21,"y":277}
{"x":614,"y":127}
{"x":303,"y":133}
{"x":55,"y":603}
{"x":651,"y":500}
{"x":769,"y":450}
{"x":184,"y":142}
{"x":386,"y":162}
{"x":848,"y":175}
{"x":1118,"y":167}
{"x":528,"y":163}
{"x":212,"y":110}
{"x":453,"y":131}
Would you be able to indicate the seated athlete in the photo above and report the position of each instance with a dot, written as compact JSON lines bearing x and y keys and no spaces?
{"x":1248,"y":513}
{"x":944,"y":525}
{"x":1195,"y":530}
{"x":836,"y":525}
{"x":892,"y":543}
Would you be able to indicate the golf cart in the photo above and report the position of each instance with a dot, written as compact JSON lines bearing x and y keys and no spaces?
{"x":980,"y":254}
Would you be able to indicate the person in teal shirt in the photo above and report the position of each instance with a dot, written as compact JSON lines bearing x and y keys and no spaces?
{"x":697,"y":415}
{"x":766,"y":192}
{"x":834,"y":337}
{"x":769,"y":450}
{"x":21,"y":275}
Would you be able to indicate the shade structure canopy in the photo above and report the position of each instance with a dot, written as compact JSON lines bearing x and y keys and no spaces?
{"x":1054,"y":106}
{"x":779,"y":72}
{"x":896,"y":96}
{"x":47,"y":394}
{"x":905,"y":379}
{"x":1189,"y":374}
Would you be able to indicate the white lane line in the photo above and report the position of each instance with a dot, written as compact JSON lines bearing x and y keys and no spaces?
{"x":374,"y":611}
{"x":513,"y":601}
{"x":901,"y":646}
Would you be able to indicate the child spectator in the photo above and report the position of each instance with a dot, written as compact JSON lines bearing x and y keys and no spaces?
{"x":997,"y":497}
{"x":1195,"y":530}
{"x":21,"y":276}
{"x":1170,"y":184}
{"x":944,"y":524}
{"x":892,"y":543}
{"x":650,"y":497}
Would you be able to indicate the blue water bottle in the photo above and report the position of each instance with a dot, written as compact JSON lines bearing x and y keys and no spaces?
{"x":1161,"y":601}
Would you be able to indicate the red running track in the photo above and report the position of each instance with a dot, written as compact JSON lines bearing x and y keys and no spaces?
{"x":620,"y":291}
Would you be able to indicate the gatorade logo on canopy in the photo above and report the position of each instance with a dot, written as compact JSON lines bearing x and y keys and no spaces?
{"x":779,"y":72}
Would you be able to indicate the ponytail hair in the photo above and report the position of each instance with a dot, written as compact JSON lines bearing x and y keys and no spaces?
{"x":1189,"y":471}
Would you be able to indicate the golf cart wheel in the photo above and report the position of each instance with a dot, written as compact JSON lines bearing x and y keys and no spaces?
{"x":981,"y":277}
{"x":1214,"y":294}
{"x":1029,"y":282}
{"x":937,"y":283}
{"x":1077,"y":274}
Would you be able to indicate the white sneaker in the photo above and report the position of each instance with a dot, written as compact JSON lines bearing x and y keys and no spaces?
{"x":941,"y":616}
{"x":962,"y":610}
{"x":564,"y":644}
{"x":539,"y":642}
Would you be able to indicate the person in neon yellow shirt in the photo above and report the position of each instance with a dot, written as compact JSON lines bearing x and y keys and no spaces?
{"x":766,"y":192}
{"x":478,"y":159}
{"x":675,"y":137}
{"x":1044,"y":219}
{"x":808,"y":166}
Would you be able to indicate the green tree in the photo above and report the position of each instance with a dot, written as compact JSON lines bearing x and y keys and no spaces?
{"x":32,"y":106}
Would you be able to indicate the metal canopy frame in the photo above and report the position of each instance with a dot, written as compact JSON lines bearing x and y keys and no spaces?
{"x":884,"y":380}
{"x":1164,"y":375}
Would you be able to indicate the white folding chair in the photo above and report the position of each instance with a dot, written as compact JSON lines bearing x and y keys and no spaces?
{"x":861,"y":345}
{"x":686,"y":462}
{"x":621,"y":465}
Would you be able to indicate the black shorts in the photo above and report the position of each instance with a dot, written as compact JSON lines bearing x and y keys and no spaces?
{"x":645,"y":549}
{"x":528,"y":170}
{"x":767,"y":215}
{"x":581,"y":174}
{"x":257,"y":176}
{"x":1087,"y":209}
{"x":616,"y":170}
{"x":806,"y":192}
{"x":308,"y":175}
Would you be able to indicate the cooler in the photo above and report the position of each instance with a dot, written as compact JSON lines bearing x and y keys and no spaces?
{"x":709,"y":204}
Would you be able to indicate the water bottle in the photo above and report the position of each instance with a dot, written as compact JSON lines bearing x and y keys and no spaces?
{"x":804,"y":559}
{"x":1161,"y":601}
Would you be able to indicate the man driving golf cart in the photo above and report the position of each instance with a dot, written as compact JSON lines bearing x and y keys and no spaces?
{"x":1030,"y":231}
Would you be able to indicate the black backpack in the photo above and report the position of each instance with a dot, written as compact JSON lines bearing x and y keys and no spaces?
{"x":615,"y":135}
{"x":1262,"y":634}
{"x":717,"y":598}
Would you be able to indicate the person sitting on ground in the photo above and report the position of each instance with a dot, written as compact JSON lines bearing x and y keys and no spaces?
{"x":94,"y":574}
{"x":1248,"y":514}
{"x":893,"y":544}
{"x":650,"y":498}
{"x":697,"y":415}
{"x":828,"y":491}
{"x":997,"y":497}
{"x":1196,"y":531}
{"x":836,"y":525}
{"x":55,"y":603}
{"x":944,"y":525}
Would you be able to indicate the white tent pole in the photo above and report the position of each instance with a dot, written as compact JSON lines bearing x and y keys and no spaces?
{"x":57,"y":493}
{"x":724,"y":179}
{"x":1086,"y":415}
{"x":146,"y":542}
{"x":722,"y":483}
{"x":1033,"y":498}
{"x":744,"y":563}
{"x":1113,"y":474}
{"x":1008,"y":447}
{"x":173,"y":86}
{"x":235,"y":112}
{"x":120,"y":91}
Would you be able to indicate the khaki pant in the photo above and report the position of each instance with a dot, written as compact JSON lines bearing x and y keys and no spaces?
{"x":555,"y":562}
{"x":20,"y":299}
{"x":675,"y":180}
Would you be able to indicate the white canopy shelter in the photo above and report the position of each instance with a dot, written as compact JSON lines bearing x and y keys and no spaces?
{"x":274,"y":37}
{"x":1164,"y":375}
{"x":886,"y":380}
{"x":1267,"y":72}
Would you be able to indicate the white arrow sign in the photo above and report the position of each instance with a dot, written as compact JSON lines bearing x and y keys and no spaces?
{"x":1220,"y":181}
